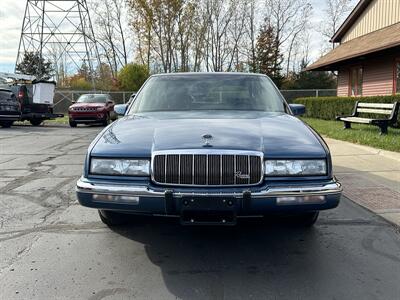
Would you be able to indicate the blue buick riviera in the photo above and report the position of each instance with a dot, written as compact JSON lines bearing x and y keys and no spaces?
{"x":208,"y":148}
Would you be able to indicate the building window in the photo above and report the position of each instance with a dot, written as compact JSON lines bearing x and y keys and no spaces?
{"x":356,"y":81}
{"x":397,"y":77}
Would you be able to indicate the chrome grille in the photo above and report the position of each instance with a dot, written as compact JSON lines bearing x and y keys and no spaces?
{"x":8,"y":107}
{"x":85,"y":109}
{"x":207,"y":169}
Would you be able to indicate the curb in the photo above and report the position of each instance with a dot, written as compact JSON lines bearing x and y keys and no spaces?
{"x":384,"y":153}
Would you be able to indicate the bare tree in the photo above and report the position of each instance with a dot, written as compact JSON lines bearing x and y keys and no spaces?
{"x":119,"y":5}
{"x":213,"y":35}
{"x":220,"y":15}
{"x":251,"y":32}
{"x":141,"y":23}
{"x":237,"y":32}
{"x":298,"y":31}
{"x":111,"y":33}
{"x":335,"y":12}
{"x":289,"y":18}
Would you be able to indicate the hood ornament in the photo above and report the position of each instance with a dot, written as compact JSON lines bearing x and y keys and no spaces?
{"x":207,"y":140}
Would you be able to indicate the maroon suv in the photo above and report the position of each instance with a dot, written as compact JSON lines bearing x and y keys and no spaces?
{"x":92,"y":108}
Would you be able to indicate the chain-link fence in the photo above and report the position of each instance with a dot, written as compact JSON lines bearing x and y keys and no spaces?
{"x":290,"y":95}
{"x":64,"y":98}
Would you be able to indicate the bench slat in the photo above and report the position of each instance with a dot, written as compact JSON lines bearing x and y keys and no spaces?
{"x":356,"y":120}
{"x":376,"y":105}
{"x":374,"y":111}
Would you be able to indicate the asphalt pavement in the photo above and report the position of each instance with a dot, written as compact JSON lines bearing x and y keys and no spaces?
{"x":52,"y":248}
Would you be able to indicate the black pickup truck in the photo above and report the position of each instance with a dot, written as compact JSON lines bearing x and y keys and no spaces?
{"x":10,"y":108}
{"x":35,"y":113}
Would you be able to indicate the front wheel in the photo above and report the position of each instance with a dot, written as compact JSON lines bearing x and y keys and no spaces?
{"x":36,"y":122}
{"x":112,"y":218}
{"x":6,"y":124}
{"x":107,"y":120}
{"x":72,"y":123}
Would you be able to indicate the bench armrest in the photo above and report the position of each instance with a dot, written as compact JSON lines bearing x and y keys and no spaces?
{"x":395,"y":112}
{"x":344,"y":116}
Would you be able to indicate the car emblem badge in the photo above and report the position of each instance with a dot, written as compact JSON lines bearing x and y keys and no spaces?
{"x":207,"y":139}
{"x":238,"y":174}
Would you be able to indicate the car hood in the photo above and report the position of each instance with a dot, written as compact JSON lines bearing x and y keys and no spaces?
{"x":277,"y":135}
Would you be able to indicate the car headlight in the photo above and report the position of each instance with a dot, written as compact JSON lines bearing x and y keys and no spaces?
{"x":101,"y":108}
{"x":129,"y":167}
{"x":295,"y":167}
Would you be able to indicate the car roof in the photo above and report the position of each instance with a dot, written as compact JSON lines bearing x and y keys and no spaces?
{"x":216,"y":74}
{"x":91,"y":94}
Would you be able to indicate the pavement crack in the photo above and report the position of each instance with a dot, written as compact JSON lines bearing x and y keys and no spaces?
{"x":56,"y":228}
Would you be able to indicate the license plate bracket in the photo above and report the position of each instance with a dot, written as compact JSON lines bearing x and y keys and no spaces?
{"x":208,"y":211}
{"x":208,"y":203}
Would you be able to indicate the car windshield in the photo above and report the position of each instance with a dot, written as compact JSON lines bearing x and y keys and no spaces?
{"x":92,"y":98}
{"x":208,"y":92}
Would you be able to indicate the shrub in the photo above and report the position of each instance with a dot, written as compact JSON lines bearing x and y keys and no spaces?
{"x":132,"y":76}
{"x":80,"y":83}
{"x":328,"y":108}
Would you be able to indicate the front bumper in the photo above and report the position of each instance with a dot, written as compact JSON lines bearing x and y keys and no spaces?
{"x":39,"y":115}
{"x":10,"y":116}
{"x":87,"y":117}
{"x":153,"y":200}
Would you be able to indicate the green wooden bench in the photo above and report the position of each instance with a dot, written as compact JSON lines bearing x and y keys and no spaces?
{"x":389,"y":109}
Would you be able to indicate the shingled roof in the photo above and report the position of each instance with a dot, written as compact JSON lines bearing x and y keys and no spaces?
{"x":385,"y":38}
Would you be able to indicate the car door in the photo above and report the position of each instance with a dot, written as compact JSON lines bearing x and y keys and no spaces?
{"x":110,"y":108}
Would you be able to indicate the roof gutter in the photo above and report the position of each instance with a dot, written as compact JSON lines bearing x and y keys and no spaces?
{"x":351,"y":19}
{"x":324,"y":67}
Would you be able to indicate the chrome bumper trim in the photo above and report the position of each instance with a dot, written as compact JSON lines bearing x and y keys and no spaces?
{"x":16,"y":116}
{"x":96,"y":188}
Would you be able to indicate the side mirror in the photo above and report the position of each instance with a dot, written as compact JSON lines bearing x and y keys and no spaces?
{"x":73,"y":102}
{"x":297,"y":109}
{"x":109,"y":102}
{"x":120,"y":109}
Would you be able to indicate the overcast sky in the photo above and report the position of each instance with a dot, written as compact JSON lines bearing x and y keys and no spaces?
{"x":12,"y":12}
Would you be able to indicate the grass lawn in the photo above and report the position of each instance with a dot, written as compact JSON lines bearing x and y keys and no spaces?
{"x":359,"y":134}
{"x":63,"y":120}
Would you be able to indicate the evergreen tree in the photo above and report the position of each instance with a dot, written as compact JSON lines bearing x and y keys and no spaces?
{"x":268,"y":56}
{"x":33,"y":64}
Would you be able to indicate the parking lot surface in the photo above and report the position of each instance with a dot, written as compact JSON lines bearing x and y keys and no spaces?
{"x":52,"y":248}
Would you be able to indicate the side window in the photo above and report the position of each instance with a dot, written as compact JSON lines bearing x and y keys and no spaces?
{"x":356,"y":81}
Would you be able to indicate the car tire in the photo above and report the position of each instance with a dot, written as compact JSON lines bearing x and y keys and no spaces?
{"x":72,"y":123}
{"x":36,"y":122}
{"x":112,"y":218}
{"x":307,"y":219}
{"x":107,"y":120}
{"x":6,"y":124}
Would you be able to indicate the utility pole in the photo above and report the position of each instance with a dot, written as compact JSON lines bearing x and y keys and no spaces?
{"x":60,"y":31}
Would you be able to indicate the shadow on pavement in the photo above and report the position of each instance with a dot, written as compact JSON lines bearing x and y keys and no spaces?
{"x":348,"y":254}
{"x":255,"y":259}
